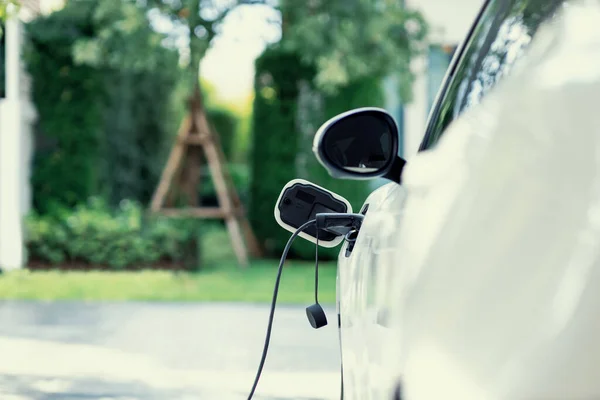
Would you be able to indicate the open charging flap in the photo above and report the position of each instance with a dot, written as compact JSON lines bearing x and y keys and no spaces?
{"x":300,"y":201}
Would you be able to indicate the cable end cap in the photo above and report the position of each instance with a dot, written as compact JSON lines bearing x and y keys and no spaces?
{"x":316,"y":316}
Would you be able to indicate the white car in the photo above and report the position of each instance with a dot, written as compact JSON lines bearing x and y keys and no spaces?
{"x":475,"y":274}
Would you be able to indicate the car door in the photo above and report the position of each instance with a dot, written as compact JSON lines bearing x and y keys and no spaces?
{"x":367,"y":275}
{"x":363,"y":319}
{"x":499,"y":294}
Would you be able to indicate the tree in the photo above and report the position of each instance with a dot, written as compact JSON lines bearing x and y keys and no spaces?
{"x":199,"y":20}
{"x":345,"y":40}
{"x":325,"y":33}
{"x":123,"y":38}
{"x":6,"y":8}
{"x":351,"y":40}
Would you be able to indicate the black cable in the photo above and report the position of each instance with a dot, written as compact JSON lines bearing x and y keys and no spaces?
{"x":273,"y":302}
{"x":317,"y":268}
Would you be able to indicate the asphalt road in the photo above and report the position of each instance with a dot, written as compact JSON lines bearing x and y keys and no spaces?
{"x":131,"y":351}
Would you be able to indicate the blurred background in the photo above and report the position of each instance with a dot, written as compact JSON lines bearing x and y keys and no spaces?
{"x":93,"y":94}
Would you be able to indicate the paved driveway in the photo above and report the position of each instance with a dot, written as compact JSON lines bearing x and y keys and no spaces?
{"x":129,"y":351}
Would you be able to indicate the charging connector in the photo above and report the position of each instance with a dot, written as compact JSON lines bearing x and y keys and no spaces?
{"x":339,"y":223}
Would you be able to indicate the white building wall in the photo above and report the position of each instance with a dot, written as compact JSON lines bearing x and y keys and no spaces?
{"x":12,"y":176}
{"x":17,"y":117}
{"x":449,"y":23}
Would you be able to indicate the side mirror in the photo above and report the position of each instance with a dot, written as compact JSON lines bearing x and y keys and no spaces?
{"x":360,"y":144}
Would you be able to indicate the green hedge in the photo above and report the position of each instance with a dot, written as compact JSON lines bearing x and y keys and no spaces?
{"x":94,"y":235}
{"x":69,"y":101}
{"x":240,"y":176}
{"x":138,"y":133}
{"x":226,"y":125}
{"x":100,"y":131}
{"x":275,"y":143}
{"x":282,"y":149}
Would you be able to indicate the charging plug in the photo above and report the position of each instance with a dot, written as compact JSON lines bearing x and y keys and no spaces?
{"x":339,"y":223}
{"x":316,"y":316}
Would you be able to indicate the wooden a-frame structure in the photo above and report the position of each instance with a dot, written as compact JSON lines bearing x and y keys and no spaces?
{"x":183,"y":171}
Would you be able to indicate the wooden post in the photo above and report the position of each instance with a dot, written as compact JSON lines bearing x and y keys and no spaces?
{"x":195,"y":138}
{"x":172,"y":166}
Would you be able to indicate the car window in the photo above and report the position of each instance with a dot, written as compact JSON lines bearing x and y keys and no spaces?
{"x":2,"y":61}
{"x":497,"y":42}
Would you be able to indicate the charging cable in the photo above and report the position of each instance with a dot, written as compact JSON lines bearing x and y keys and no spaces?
{"x":273,"y":302}
{"x":337,"y":223}
{"x":315,"y":313}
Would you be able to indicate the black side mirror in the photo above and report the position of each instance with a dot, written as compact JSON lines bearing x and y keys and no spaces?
{"x":360,"y":144}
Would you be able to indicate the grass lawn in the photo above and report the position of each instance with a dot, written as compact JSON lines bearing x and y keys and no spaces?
{"x":230,"y":284}
{"x":220,"y":280}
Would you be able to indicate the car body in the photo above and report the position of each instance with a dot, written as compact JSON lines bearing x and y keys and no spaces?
{"x":395,"y":238}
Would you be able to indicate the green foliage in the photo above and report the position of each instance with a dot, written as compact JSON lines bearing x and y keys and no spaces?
{"x":346,"y":63}
{"x":209,"y":93}
{"x":274,"y":140}
{"x":240,"y":176}
{"x":69,"y":101}
{"x":226,"y":125}
{"x":8,"y":8}
{"x":243,"y":110}
{"x":91,"y":234}
{"x":327,"y":35}
{"x":232,"y":120}
{"x":123,"y":38}
{"x":137,"y":132}
{"x":200,"y":18}
{"x":102,"y":130}
{"x":284,"y":124}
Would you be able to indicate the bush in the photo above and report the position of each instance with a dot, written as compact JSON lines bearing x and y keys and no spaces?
{"x":93,"y":235}
{"x":101,"y":131}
